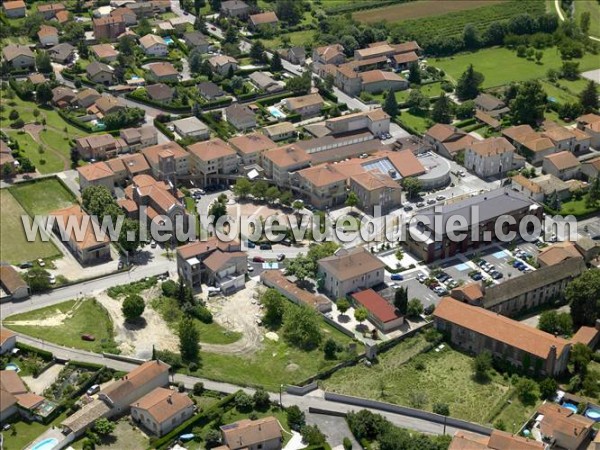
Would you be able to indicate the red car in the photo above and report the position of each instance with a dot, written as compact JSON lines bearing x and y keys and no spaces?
{"x":258,"y":259}
{"x":88,"y":337}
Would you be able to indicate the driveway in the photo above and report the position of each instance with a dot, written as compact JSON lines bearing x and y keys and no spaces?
{"x":334,"y":427}
{"x":44,"y":380}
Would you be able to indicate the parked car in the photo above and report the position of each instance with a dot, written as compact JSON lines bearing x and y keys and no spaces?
{"x":266,"y":247}
{"x":408,"y":208}
{"x":251,"y":244}
{"x":52,"y":279}
{"x":258,"y":259}
{"x":421,"y":278}
{"x":41,"y":262}
{"x":88,"y":337}
{"x":441,"y":197}
{"x":26,"y":265}
{"x":286,"y":242}
{"x":496,"y":275}
{"x":453,"y":284}
{"x":153,"y":244}
{"x":431,"y":201}
{"x":420,"y":204}
{"x":121,"y":265}
{"x":397,"y":277}
{"x":280,"y":257}
{"x":93,"y":389}
{"x":250,"y":268}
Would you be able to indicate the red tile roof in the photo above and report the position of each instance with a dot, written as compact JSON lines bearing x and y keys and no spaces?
{"x":376,"y":304}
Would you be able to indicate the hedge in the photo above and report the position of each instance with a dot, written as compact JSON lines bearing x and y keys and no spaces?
{"x":408,"y":128}
{"x":150,"y":102}
{"x":163,"y":129}
{"x":17,"y":88}
{"x":268,"y":101}
{"x":217,"y":103}
{"x":475,"y":126}
{"x":206,"y":415}
{"x":44,"y":354}
{"x":76,"y":123}
{"x":329,"y":96}
{"x":466,"y":122}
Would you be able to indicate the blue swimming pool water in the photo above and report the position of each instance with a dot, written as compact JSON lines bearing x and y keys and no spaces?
{"x":168,"y":40}
{"x":593,"y":414}
{"x":275,"y":112}
{"x":570,"y":406}
{"x":13,"y":367}
{"x":46,"y":444}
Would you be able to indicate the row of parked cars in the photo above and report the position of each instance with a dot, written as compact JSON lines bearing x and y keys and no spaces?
{"x":490,"y":269}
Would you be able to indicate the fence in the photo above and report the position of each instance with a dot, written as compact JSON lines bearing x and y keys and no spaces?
{"x":302,"y":390}
{"x":128,"y":359}
{"x":410,"y":412}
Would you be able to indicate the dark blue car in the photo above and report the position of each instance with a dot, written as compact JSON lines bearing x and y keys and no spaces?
{"x":397,"y":277}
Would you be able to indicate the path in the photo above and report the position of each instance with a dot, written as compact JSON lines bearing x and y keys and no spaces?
{"x":561,"y":16}
{"x":34,"y":131}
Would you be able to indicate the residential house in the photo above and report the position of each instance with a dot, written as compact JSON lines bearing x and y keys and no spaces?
{"x":163,"y":71}
{"x":167,"y":160}
{"x":96,"y":174}
{"x":346,"y":78}
{"x":381,"y":313}
{"x":498,"y":440}
{"x":88,"y":249}
{"x":377,"y":121}
{"x":295,"y":55}
{"x":226,"y":270}
{"x":588,"y":336}
{"x":14,"y":9}
{"x":240,"y":116}
{"x":12,"y":284}
{"x":210,"y":91}
{"x":126,"y":15}
{"x":349,"y":271}
{"x":108,"y":28}
{"x":279,"y":162}
{"x":476,"y":330}
{"x":557,"y":253}
{"x":108,"y":104}
{"x":279,"y":131}
{"x":100,"y":73}
{"x":376,"y":189}
{"x":36,"y":79}
{"x":375,"y":50}
{"x":86,"y":97}
{"x":104,"y":52}
{"x":8,"y":341}
{"x":8,"y":164}
{"x":15,"y":398}
{"x":491,"y":157}
{"x":161,"y":410}
{"x":212,"y":158}
{"x":563,"y":165}
{"x":562,"y":426}
{"x":102,"y":11}
{"x":591,"y":167}
{"x":251,"y":146}
{"x":120,"y":173}
{"x":191,"y":127}
{"x":50,"y":10}
{"x":265,"y":82}
{"x":160,"y":92}
{"x":192,"y":258}
{"x":154,"y":45}
{"x":196,"y":40}
{"x":329,"y":54}
{"x":99,"y":146}
{"x":540,"y":187}
{"x":448,"y":140}
{"x":490,"y":105}
{"x":532,"y":144}
{"x":583,"y":141}
{"x":590,"y":123}
{"x":63,"y":96}
{"x":179,"y":24}
{"x":235,"y":8}
{"x":63,"y":17}
{"x":259,"y":434}
{"x":563,"y":138}
{"x":135,"y":164}
{"x":62,"y":53}
{"x":323,"y":185}
{"x":432,"y":243}
{"x":306,"y":105}
{"x":117,"y":398}
{"x":48,"y":35}
{"x":276,"y":280}
{"x":18,"y":56}
{"x":222,"y":64}
{"x":377,"y":81}
{"x":265,"y":20}
{"x":403,"y":61}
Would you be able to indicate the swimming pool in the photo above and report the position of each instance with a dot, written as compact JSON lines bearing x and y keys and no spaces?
{"x":13,"y":367}
{"x":276,"y":112}
{"x":169,"y":40}
{"x":570,"y":406}
{"x":46,"y":444}
{"x":593,"y":414}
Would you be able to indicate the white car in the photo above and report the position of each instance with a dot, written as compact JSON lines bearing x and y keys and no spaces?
{"x":41,"y":262}
{"x":52,"y":279}
{"x":250,"y":268}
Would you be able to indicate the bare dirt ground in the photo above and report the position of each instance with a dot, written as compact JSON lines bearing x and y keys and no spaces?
{"x":38,"y":385}
{"x":55,"y":320}
{"x":137,"y":340}
{"x":238,"y":312}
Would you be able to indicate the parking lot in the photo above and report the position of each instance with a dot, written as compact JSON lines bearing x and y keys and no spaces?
{"x":416,"y":289}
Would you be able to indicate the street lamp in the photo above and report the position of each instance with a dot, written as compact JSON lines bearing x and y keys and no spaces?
{"x":280,"y":395}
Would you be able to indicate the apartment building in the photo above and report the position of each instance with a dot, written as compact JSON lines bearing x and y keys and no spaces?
{"x":563,"y":165}
{"x":306,"y":105}
{"x":250,"y":147}
{"x":491,"y":157}
{"x":167,"y":161}
{"x":108,"y":28}
{"x":211,"y":158}
{"x":280,"y":162}
{"x":375,"y":189}
{"x":99,"y":146}
{"x":323,"y":185}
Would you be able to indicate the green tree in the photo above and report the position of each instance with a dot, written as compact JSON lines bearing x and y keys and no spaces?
{"x":286,"y":198}
{"x":351,"y":200}
{"x":441,"y":408}
{"x":295,"y":418}
{"x":274,"y":304}
{"x":312,"y":436}
{"x":390,"y":105}
{"x":259,"y":189}
{"x":442,"y":110}
{"x":529,"y":104}
{"x":43,"y":63}
{"x":243,"y":402}
{"x":127,"y":45}
{"x":104,"y":427}
{"x":272,"y":194}
{"x":38,"y":279}
{"x":583,"y":294}
{"x":218,"y":210}
{"x":198,"y":388}
{"x":580,"y":357}
{"x":414,"y":308}
{"x":195,"y":60}
{"x":414,"y":73}
{"x":465,"y":110}
{"x":538,"y":56}
{"x":589,"y":97}
{"x":43,"y":93}
{"x":401,"y":300}
{"x":468,"y":86}
{"x":298,"y":205}
{"x":343,"y":305}
{"x":593,"y":196}
{"x":133,"y":307}
{"x":289,"y":11}
{"x":360,"y":314}
{"x":302,"y":327}
{"x":482,"y":364}
{"x":548,"y":388}
{"x":231,"y":35}
{"x":584,"y":22}
{"x":257,"y":52}
{"x":96,"y":199}
{"x":526,"y":390}
{"x":412,"y":186}
{"x":242,"y":188}
{"x":129,"y":236}
{"x":261,"y":399}
{"x":417,"y":102}
{"x":330,"y":349}
{"x":276,"y":64}
{"x":301,"y":267}
{"x":143,"y":27}
{"x":189,"y":341}
{"x":212,"y":436}
{"x":570,"y":70}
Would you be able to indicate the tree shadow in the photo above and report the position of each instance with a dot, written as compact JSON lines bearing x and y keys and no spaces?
{"x":108,"y":439}
{"x":136,"y":324}
{"x":142,"y":258}
{"x":343,"y":318}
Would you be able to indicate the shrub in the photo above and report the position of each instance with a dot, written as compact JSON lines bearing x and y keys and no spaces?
{"x":198,"y":388}
{"x":202,"y":314}
{"x":170,"y":288}
{"x":243,"y":402}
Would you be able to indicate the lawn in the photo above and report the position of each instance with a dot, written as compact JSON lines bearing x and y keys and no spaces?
{"x":429,"y":90}
{"x":16,"y":249}
{"x":593,"y":7}
{"x":23,"y":433}
{"x":64,"y":323}
{"x":275,"y":364}
{"x":43,"y":196}
{"x":500,"y":65}
{"x":444,"y":376}
{"x":418,"y":9}
{"x":557,"y":94}
{"x":296,"y":38}
{"x":577,"y":208}
{"x":419,"y":123}
{"x":46,"y":162}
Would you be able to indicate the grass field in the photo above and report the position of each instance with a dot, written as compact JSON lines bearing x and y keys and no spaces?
{"x":418,"y":123}
{"x":64,"y":323}
{"x":275,"y":364}
{"x":45,"y":162}
{"x":439,"y":377}
{"x":429,"y":90}
{"x":418,"y":9}
{"x":43,"y":196}
{"x":296,"y":38}
{"x":500,"y":65}
{"x":577,"y":208}
{"x":14,"y":247}
{"x":26,"y":432}
{"x":593,"y":7}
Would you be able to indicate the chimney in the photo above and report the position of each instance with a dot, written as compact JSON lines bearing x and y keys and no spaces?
{"x":170,"y":399}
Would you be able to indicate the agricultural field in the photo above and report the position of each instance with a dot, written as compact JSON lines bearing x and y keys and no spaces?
{"x":593,"y":7}
{"x":500,"y":65}
{"x":17,"y":249}
{"x":42,"y":197}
